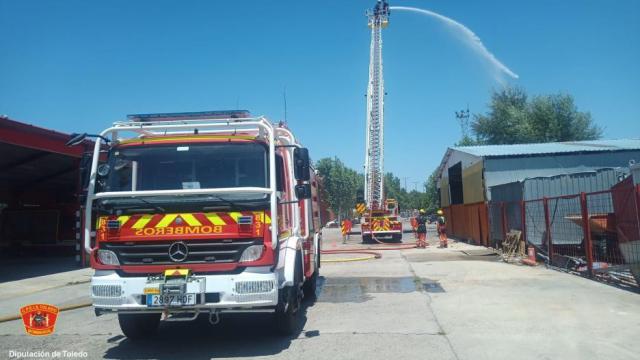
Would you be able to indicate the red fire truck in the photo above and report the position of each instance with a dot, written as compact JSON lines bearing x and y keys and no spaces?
{"x":200,"y":213}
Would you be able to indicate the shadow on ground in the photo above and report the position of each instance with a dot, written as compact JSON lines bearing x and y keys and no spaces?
{"x":200,"y":340}
{"x":28,"y":267}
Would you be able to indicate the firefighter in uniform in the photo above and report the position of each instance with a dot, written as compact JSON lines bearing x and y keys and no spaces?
{"x":346,"y":230}
{"x":421,"y":230}
{"x":414,"y":227}
{"x":442,"y":229}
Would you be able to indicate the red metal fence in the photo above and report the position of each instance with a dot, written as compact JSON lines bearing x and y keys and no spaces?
{"x":469,"y":222}
{"x":593,"y":234}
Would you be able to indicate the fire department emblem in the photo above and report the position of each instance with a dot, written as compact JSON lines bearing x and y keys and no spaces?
{"x":39,"y":319}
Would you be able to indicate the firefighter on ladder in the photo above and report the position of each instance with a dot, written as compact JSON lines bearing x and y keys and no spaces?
{"x":442,"y":229}
{"x":421,"y":230}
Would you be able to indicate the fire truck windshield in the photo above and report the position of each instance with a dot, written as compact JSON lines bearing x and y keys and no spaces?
{"x":187,"y":166}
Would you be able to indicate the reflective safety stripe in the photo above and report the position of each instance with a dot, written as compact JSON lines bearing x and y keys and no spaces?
{"x":235,"y":215}
{"x":144,"y":219}
{"x":187,"y":219}
{"x":166,"y":220}
{"x":215,"y":219}
{"x":190,"y":219}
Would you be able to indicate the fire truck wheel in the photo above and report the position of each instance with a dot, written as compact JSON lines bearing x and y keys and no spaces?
{"x":139,"y":326}
{"x":366,"y":239}
{"x":289,"y":304}
{"x":310,"y":285}
{"x":397,"y":237}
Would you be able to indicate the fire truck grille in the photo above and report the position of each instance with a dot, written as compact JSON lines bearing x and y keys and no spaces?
{"x":199,"y":252}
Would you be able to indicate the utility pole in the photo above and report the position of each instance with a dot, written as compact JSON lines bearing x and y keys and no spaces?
{"x":463,"y":120}
{"x":405,"y":182}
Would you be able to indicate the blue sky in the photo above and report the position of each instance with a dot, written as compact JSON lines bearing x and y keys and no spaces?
{"x":80,"y":65}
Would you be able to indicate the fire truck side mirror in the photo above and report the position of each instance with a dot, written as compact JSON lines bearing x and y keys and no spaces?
{"x":303,"y":191}
{"x":301,"y":164}
{"x":85,"y":167}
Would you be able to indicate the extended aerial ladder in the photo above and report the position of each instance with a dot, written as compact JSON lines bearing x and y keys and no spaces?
{"x":380,"y":218}
{"x":374,"y":156}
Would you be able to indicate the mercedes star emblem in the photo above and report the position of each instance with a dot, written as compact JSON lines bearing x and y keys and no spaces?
{"x":178,"y":251}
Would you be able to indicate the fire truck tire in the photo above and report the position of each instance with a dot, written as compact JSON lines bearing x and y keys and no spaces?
{"x":366,"y":239}
{"x":310,"y":285}
{"x":397,"y":237}
{"x":288,"y":309}
{"x":139,"y":326}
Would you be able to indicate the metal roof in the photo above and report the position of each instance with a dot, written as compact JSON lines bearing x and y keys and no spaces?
{"x":550,"y":148}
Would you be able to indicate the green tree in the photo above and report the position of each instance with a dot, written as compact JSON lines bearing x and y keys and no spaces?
{"x":513,"y":118}
{"x":556,"y":118}
{"x":432,"y":196}
{"x":393,"y":190}
{"x":340,"y":184}
{"x":467,"y":140}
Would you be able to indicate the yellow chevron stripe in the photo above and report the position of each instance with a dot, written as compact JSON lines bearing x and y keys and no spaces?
{"x":235,"y":215}
{"x":123,"y":219}
{"x":267,"y":219}
{"x":215,"y":219}
{"x":142,"y":221}
{"x":190,"y":219}
{"x":166,"y":220}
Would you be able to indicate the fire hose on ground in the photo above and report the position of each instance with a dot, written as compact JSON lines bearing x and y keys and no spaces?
{"x":371,"y":251}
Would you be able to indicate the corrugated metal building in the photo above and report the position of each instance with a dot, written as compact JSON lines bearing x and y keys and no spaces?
{"x":540,"y":187}
{"x":466,"y":174}
{"x":558,"y":185}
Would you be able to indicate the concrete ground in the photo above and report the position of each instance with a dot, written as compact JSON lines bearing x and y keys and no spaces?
{"x":455,"y":303}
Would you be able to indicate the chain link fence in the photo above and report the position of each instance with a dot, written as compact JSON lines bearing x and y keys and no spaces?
{"x":592,"y":234}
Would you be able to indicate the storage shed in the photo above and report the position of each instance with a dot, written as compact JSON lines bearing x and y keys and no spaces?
{"x":466,"y":174}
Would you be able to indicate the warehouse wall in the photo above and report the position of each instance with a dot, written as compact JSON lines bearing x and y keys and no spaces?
{"x":559,"y":185}
{"x":502,"y":170}
{"x":444,"y":192}
{"x":473,"y":183}
{"x":452,"y":157}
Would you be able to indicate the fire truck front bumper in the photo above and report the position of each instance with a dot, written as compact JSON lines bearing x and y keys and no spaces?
{"x":255,"y":289}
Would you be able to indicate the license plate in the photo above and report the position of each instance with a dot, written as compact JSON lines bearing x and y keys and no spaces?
{"x":171,"y":300}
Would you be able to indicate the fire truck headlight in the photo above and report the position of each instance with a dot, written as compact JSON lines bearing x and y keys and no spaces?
{"x":252,"y":253}
{"x":108,"y":257}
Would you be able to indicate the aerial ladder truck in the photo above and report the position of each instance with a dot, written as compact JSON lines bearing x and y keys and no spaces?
{"x":380,"y":217}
